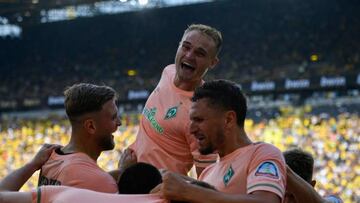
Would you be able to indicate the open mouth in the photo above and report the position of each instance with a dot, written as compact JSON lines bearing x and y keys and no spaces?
{"x":187,"y":66}
{"x":200,"y":138}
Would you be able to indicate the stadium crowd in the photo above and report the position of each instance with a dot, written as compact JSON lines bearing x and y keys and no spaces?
{"x":333,"y":141}
{"x":305,"y":39}
{"x":268,"y":41}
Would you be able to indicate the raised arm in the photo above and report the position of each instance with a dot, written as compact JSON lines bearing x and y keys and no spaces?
{"x":128,"y":158}
{"x":15,"y":180}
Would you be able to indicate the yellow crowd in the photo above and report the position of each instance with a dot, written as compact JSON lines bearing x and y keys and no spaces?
{"x":333,"y":141}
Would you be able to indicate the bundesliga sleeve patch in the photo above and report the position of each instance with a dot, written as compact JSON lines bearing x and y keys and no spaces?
{"x":333,"y":199}
{"x":267,"y":169}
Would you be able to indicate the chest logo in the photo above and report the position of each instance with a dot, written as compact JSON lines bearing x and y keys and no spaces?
{"x":228,"y":175}
{"x":171,"y":112}
{"x":150,"y":116}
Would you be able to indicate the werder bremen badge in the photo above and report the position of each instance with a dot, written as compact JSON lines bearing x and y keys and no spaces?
{"x":171,"y":112}
{"x":228,"y":175}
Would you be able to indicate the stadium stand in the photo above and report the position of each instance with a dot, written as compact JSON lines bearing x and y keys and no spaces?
{"x":266,"y":44}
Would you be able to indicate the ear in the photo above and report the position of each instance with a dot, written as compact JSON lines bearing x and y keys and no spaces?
{"x":89,"y":125}
{"x":214,"y":62}
{"x":313,"y":183}
{"x":230,"y":119}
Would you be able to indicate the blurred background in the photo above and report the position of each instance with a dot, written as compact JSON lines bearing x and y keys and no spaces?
{"x":297,"y":60}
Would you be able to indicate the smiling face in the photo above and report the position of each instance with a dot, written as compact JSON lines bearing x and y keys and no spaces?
{"x":207,"y":126}
{"x":195,"y":55}
{"x":107,"y":122}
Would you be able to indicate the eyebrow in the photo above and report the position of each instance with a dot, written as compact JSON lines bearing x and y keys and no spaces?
{"x":199,"y":48}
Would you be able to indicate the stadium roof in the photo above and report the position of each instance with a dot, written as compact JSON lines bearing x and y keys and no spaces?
{"x":25,"y":12}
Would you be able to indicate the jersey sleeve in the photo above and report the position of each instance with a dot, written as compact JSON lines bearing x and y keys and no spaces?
{"x":46,"y":193}
{"x":333,"y":199}
{"x":83,"y":175}
{"x":36,"y":195}
{"x":267,"y":171}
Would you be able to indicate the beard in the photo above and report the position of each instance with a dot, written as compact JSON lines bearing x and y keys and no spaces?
{"x":210,"y":148}
{"x":207,"y":150}
{"x":106,"y":142}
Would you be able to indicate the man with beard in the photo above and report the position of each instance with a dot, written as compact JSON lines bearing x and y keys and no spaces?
{"x":93,"y":116}
{"x":163,"y":138}
{"x":247,"y":171}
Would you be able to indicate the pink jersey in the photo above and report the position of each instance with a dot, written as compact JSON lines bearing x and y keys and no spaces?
{"x":76,"y":170}
{"x":255,"y":167}
{"x":63,"y":194}
{"x":164,"y":139}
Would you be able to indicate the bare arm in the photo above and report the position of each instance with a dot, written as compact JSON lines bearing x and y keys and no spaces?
{"x":15,"y":180}
{"x":300,"y":189}
{"x":15,"y":197}
{"x":176,"y":188}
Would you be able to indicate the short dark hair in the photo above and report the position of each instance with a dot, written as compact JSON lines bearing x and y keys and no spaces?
{"x":301,"y":162}
{"x":223,"y":94}
{"x":213,"y":33}
{"x":86,"y":98}
{"x":139,"y":178}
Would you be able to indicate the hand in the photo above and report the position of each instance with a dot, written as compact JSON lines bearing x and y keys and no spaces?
{"x":173,"y":187}
{"x":43,"y":155}
{"x":163,"y":171}
{"x":128,"y":158}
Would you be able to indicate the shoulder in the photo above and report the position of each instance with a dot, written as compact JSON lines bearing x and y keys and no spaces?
{"x":169,"y":70}
{"x":268,"y":158}
{"x":206,"y":171}
{"x":265,"y":149}
{"x":79,"y":162}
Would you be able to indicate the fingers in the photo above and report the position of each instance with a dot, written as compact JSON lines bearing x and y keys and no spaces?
{"x":156,"y":189}
{"x":162,"y":171}
{"x":128,"y":158}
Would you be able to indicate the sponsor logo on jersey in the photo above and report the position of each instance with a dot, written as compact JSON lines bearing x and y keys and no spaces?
{"x":150,"y":116}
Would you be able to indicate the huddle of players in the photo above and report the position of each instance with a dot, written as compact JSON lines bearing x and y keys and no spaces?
{"x":185,"y":122}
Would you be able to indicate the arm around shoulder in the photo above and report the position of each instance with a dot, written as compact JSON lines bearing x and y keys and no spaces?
{"x":174,"y":187}
{"x":203,"y":195}
{"x":15,"y":197}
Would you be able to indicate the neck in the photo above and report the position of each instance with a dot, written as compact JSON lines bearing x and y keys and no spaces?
{"x":186,"y":85}
{"x":238,"y":140}
{"x":81,"y":145}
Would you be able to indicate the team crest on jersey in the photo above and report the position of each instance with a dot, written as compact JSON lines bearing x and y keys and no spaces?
{"x":268,"y":169}
{"x":228,"y":175}
{"x":171,"y":112}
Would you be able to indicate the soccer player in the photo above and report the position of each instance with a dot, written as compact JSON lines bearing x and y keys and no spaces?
{"x":163,"y":138}
{"x":139,"y":179}
{"x":300,"y":185}
{"x":93,"y":115}
{"x":247,"y":172}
